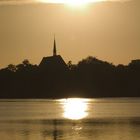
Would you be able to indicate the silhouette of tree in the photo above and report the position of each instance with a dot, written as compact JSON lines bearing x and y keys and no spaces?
{"x":69,"y":64}
{"x":11,"y":68}
{"x":26,"y":62}
{"x":91,"y":77}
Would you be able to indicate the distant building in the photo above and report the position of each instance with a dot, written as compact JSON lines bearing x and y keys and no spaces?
{"x":53,"y":63}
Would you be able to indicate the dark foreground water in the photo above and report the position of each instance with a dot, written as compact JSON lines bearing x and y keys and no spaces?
{"x":70,"y":119}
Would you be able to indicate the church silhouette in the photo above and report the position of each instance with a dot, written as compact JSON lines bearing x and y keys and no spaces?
{"x":54,"y":62}
{"x":53,"y":74}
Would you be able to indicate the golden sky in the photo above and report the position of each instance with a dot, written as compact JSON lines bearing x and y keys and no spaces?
{"x":108,"y":30}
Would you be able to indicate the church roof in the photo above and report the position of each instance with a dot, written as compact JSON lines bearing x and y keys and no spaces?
{"x":53,"y":62}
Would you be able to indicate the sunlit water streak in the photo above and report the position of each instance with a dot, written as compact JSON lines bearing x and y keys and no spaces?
{"x":75,"y":109}
{"x":70,"y":119}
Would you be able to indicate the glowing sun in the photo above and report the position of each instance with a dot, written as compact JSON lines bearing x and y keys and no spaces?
{"x":73,"y":3}
{"x":77,"y":3}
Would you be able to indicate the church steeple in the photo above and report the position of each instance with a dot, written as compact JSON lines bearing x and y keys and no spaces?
{"x":54,"y":48}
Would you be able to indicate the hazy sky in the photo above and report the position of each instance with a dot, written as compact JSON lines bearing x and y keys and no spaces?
{"x":107,"y":30}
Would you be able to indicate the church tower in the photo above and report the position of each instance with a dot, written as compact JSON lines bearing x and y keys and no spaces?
{"x":54,"y":63}
{"x":54,"y":48}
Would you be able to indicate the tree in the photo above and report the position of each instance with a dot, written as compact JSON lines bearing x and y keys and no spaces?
{"x":26,"y":62}
{"x":69,"y":64}
{"x":12,"y":68}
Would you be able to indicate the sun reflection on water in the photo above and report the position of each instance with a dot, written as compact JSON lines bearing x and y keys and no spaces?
{"x":75,"y":108}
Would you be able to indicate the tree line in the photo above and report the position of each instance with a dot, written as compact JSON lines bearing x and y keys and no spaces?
{"x":89,"y":78}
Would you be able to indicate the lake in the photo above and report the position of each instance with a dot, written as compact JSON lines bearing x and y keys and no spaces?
{"x":70,"y":119}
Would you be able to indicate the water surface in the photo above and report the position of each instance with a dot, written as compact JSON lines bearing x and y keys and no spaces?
{"x":70,"y":119}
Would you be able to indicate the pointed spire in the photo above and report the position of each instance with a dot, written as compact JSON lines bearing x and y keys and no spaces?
{"x":54,"y":48}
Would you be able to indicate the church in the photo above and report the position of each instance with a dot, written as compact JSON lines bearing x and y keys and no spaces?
{"x":53,"y":75}
{"x":54,"y":62}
